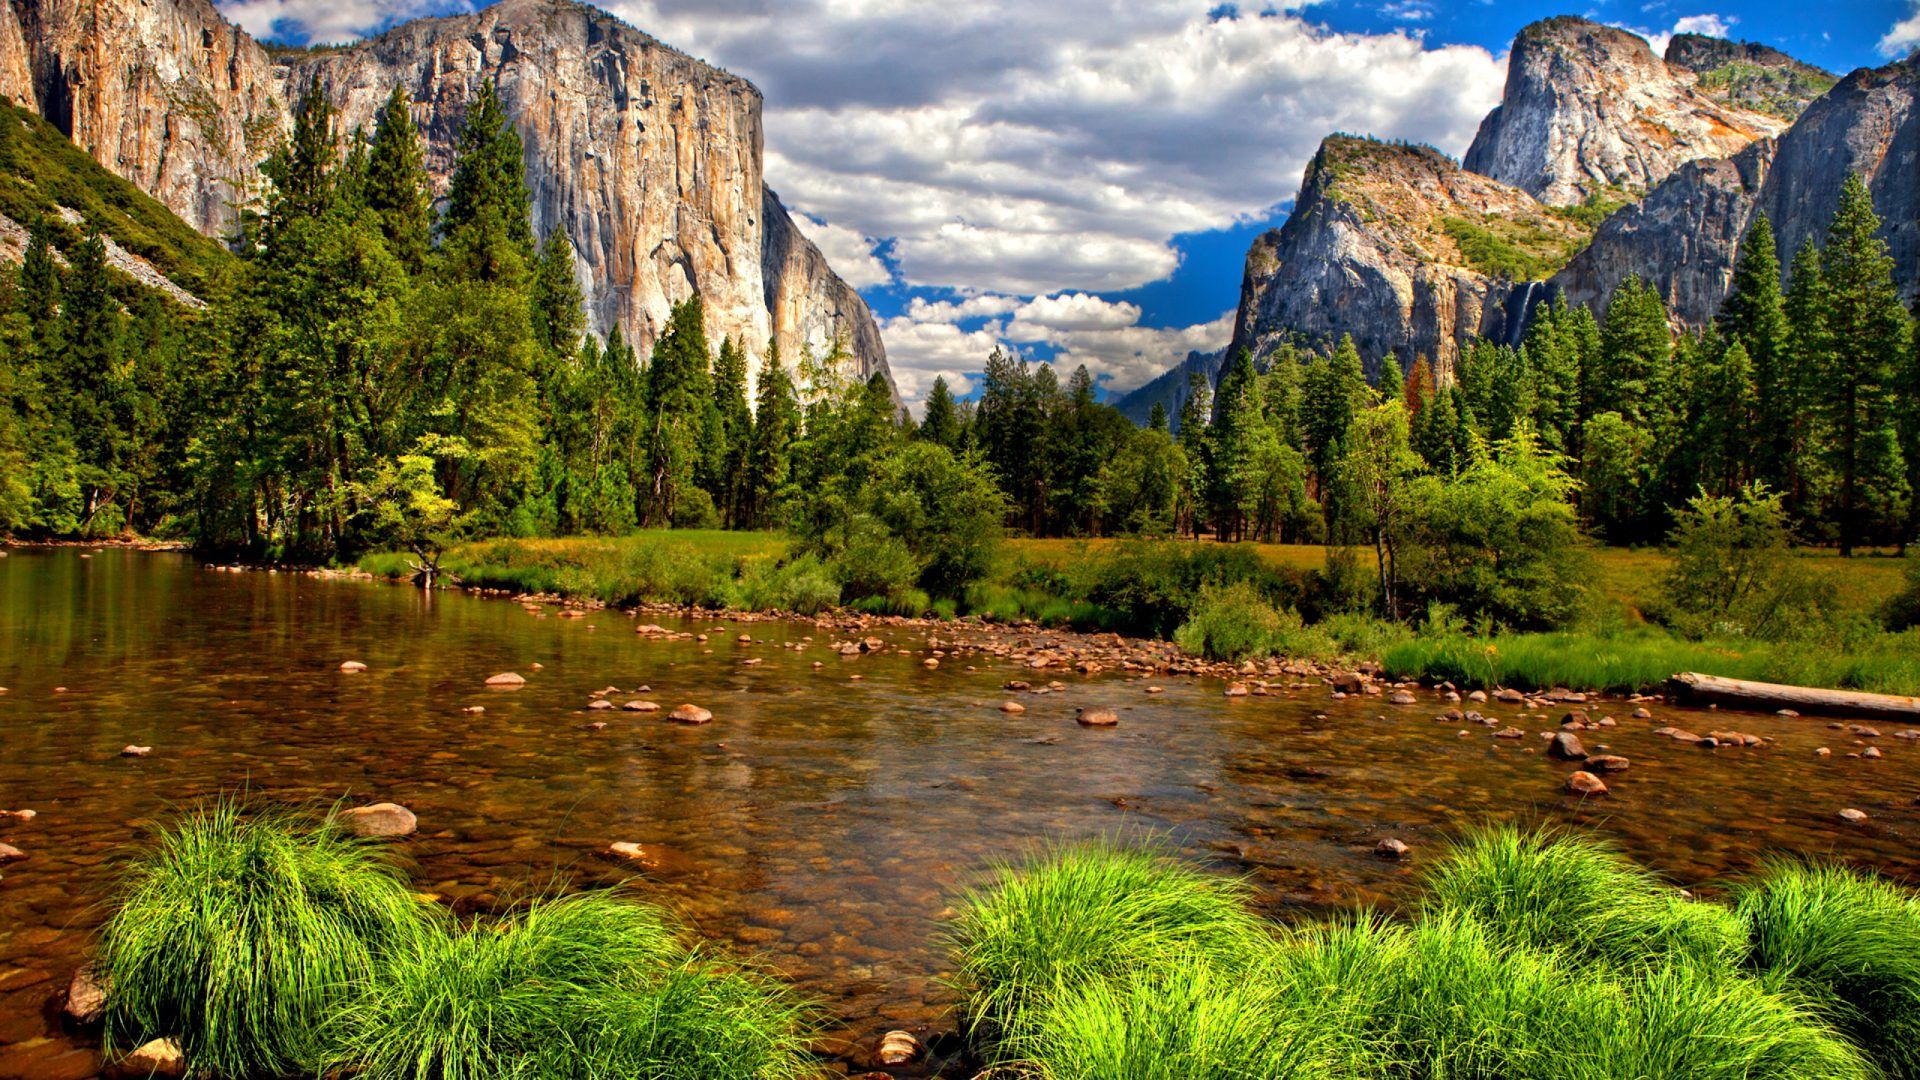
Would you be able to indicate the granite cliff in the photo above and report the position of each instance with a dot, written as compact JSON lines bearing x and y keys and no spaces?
{"x":649,"y":159}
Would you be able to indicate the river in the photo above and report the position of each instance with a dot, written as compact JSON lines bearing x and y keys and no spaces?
{"x":821,"y":822}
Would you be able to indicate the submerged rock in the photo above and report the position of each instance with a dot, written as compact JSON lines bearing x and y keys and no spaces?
{"x":1585,"y":783}
{"x":1392,"y":849}
{"x":507,"y":678}
{"x":352,"y":666}
{"x":1011,"y":707}
{"x":897,"y":1048}
{"x":690,"y":714}
{"x":1565,"y":746}
{"x":159,"y":1058}
{"x":641,"y":706}
{"x":9,"y":853}
{"x":380,"y":819}
{"x":131,"y":750}
{"x":1852,"y":816}
{"x":86,"y":998}
{"x":1098,"y":718}
{"x":1607,"y":763}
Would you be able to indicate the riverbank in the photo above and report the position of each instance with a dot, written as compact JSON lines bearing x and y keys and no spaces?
{"x":1141,"y":594}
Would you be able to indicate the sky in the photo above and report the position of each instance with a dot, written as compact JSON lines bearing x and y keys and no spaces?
{"x":1079,"y":180}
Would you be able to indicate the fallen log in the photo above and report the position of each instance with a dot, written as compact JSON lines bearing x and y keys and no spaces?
{"x":1772,"y":697}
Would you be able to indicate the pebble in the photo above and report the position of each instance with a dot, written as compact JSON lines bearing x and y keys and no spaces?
{"x":1156,"y":690}
{"x":1012,"y":707}
{"x":474,"y":709}
{"x":131,"y":750}
{"x":1852,"y":816}
{"x":352,"y":666}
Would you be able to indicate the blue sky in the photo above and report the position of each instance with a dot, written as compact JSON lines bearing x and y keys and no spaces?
{"x":1080,"y":179}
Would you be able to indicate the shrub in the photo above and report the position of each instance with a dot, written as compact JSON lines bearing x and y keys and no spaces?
{"x":1150,"y":586}
{"x":871,"y":562}
{"x":1734,"y":573}
{"x":803,"y":585}
{"x":1902,"y":610}
{"x":1233,"y":622}
{"x":240,"y":933}
{"x":1079,"y":915}
{"x":1850,"y":944}
{"x":1545,"y":890}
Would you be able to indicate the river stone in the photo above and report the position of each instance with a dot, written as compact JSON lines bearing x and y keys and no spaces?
{"x":930,"y":663}
{"x":1238,"y":689}
{"x":1852,"y":816}
{"x":1392,"y":849}
{"x":159,"y":1058}
{"x":86,"y":1002}
{"x":1011,"y":707}
{"x":131,"y":750}
{"x":690,"y":714}
{"x":599,"y":703}
{"x":1098,"y":718}
{"x":1509,"y":733}
{"x":1565,"y":746}
{"x":1870,"y":752}
{"x":352,"y":666}
{"x":1402,"y":697}
{"x":20,"y":815}
{"x":1510,"y":697}
{"x":641,"y":706}
{"x":897,"y":1048}
{"x":1347,"y":682}
{"x":1585,"y":783}
{"x":9,"y":853}
{"x":1607,"y":763}
{"x":507,"y":678}
{"x":380,"y":819}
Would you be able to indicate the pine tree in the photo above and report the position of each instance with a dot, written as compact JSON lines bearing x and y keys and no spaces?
{"x":1868,"y":328}
{"x":1157,"y":418}
{"x":396,"y":187}
{"x":1331,"y":395}
{"x":1239,"y":426}
{"x":40,"y":288}
{"x":674,"y":402}
{"x":87,"y":376}
{"x":302,"y":170}
{"x":941,"y":423}
{"x":776,"y":424}
{"x":736,"y":431}
{"x":1392,"y":383}
{"x":1809,"y":355}
{"x":488,"y":233}
{"x":1636,"y":347}
{"x":557,"y":314}
{"x":1419,"y":387}
{"x":1755,"y":316}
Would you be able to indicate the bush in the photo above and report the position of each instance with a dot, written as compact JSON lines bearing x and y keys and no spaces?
{"x":588,"y":985}
{"x":1066,"y":921}
{"x":1544,"y":890}
{"x":871,"y":562}
{"x":802,"y":585}
{"x":1734,"y":573}
{"x":1150,"y":586}
{"x":1233,"y":622}
{"x":1902,"y":610}
{"x":1850,"y":944}
{"x":241,"y":934}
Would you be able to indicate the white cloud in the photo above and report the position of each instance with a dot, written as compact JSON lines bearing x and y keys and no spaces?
{"x":918,"y":352}
{"x":920,"y":309}
{"x":1718,"y":26}
{"x":1904,"y":37}
{"x":850,"y":254}
{"x":328,"y":21}
{"x":1022,"y":149}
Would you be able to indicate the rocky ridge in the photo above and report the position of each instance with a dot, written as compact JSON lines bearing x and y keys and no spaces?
{"x":1749,"y":75}
{"x":649,"y":159}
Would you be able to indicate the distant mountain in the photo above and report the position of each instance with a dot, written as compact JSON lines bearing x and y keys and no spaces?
{"x":1601,"y":160}
{"x":648,"y":159}
{"x":1169,"y":388}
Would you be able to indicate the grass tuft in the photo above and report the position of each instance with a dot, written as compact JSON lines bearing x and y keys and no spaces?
{"x":240,"y":933}
{"x":1079,"y":915}
{"x":585,"y":985}
{"x":1558,"y":892}
{"x":1847,"y":942}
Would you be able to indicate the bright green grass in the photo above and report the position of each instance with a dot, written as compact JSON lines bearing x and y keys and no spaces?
{"x":1082,"y":914}
{"x":1646,"y":657}
{"x":1573,"y":893}
{"x":1848,"y":942}
{"x":241,"y":933}
{"x":1534,"y":957}
{"x":587,"y":985}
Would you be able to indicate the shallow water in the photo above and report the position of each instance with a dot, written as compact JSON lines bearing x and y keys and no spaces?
{"x":820,"y":822}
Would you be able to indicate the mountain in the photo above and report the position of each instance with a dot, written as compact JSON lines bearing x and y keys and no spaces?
{"x":1602,"y":160}
{"x":1169,"y":388}
{"x":1589,"y":111}
{"x":1750,"y":75}
{"x":650,"y":160}
{"x":1399,"y":247}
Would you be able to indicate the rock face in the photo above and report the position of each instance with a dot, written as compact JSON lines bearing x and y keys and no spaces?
{"x":649,"y":159}
{"x":1374,"y":248}
{"x":1169,"y":389}
{"x":1589,"y":109}
{"x":1749,"y":75}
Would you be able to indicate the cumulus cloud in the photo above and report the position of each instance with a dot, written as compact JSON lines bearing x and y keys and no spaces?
{"x":850,"y":254}
{"x":919,"y":352}
{"x":329,"y":21}
{"x":1022,"y":148}
{"x":1904,"y":37}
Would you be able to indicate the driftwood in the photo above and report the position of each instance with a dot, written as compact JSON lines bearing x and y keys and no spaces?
{"x":1741,"y":693}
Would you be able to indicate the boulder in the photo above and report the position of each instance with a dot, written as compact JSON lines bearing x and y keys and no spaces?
{"x":690,"y":714}
{"x":380,"y":819}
